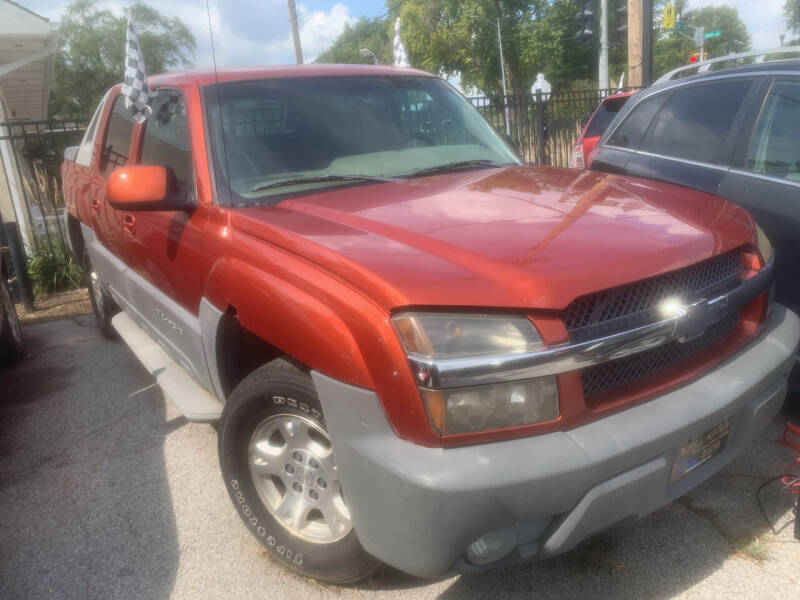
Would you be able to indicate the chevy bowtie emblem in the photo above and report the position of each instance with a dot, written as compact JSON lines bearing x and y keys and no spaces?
{"x":698,"y":318}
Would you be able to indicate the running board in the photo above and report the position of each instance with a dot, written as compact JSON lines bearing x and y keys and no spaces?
{"x":194,"y":401}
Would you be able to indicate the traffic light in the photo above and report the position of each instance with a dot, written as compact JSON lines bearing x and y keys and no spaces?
{"x":696,"y":56}
{"x":622,"y":21}
{"x":585,"y":19}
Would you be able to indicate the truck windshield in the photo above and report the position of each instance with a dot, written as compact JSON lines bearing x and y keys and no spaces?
{"x":290,"y":135}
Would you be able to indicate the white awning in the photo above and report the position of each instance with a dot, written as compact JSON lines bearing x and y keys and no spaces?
{"x":27,"y":55}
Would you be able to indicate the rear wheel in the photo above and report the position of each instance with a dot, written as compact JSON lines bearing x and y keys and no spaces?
{"x":279,"y":468}
{"x":10,"y":329}
{"x":103,"y":305}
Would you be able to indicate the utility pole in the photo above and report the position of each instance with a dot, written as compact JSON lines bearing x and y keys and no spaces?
{"x":298,"y":51}
{"x":603,"y":76}
{"x":647,"y":42}
{"x":640,"y":42}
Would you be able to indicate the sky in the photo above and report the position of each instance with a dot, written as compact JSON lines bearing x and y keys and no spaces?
{"x":257,"y":32}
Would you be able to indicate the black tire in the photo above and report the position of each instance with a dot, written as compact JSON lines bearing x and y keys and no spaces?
{"x":103,"y":304}
{"x":11,"y":348}
{"x":280,"y":388}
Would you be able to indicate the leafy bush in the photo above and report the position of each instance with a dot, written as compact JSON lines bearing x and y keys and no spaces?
{"x":54,"y":271}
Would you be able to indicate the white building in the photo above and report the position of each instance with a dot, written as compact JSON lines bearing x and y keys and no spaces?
{"x":27,"y":55}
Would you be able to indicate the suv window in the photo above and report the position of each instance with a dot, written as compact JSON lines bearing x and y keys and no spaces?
{"x":166,"y":140}
{"x":696,"y":121}
{"x":631,"y":132}
{"x":775,"y":149}
{"x":118,"y":138}
{"x":603,"y":116}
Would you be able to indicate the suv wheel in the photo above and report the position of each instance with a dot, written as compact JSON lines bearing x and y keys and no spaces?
{"x":103,"y":304}
{"x":279,"y":469}
{"x":10,"y":329}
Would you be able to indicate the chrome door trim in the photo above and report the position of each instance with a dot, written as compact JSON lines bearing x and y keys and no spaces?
{"x":686,"y":161}
{"x":481,"y":370}
{"x":769,"y":178}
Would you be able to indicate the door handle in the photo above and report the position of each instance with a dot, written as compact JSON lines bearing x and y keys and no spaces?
{"x":129,"y":224}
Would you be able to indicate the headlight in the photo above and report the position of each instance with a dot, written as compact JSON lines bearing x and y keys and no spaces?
{"x":764,"y":245}
{"x":467,"y":410}
{"x":443,"y":336}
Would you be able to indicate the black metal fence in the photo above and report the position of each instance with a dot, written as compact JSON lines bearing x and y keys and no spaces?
{"x":38,"y":149}
{"x":543,"y":127}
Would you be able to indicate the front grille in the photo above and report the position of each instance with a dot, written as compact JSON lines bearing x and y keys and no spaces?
{"x":615,"y":374}
{"x":635,"y":304}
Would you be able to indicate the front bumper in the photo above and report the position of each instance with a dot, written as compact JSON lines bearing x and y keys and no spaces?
{"x":419,"y":509}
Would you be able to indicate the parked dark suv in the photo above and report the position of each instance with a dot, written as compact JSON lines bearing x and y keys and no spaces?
{"x":734,"y":133}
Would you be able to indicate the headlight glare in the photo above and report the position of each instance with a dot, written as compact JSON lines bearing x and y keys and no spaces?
{"x":443,"y":335}
{"x":483,"y":408}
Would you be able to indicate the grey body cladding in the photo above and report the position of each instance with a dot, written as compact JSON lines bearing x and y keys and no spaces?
{"x":190,"y":340}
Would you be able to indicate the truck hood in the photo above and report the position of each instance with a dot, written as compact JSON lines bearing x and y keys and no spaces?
{"x":521,"y":237}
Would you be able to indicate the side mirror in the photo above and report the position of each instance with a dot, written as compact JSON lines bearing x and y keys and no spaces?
{"x":146,"y":188}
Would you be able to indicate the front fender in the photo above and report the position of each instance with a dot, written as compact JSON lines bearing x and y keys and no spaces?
{"x":319,"y":319}
{"x":290,"y":319}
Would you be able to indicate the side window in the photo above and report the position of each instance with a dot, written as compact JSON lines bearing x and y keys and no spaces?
{"x":775,"y":148}
{"x":84,"y":156}
{"x":696,"y":121}
{"x":632,"y":130}
{"x":166,"y":140}
{"x":118,"y":138}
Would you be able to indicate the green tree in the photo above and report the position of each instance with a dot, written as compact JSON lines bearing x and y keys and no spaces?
{"x":371,"y":34}
{"x":91,"y":51}
{"x":452,"y":37}
{"x":460,"y":36}
{"x":792,"y":12}
{"x":673,"y":50}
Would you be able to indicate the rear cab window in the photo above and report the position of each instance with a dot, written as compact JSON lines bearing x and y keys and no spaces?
{"x":696,"y":123}
{"x":116,"y":145}
{"x":775,"y":147}
{"x":86,"y":149}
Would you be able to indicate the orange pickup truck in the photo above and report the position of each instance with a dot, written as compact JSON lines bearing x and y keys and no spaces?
{"x":420,"y":350}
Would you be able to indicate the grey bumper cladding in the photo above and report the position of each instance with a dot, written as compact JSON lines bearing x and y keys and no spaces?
{"x":419,"y":509}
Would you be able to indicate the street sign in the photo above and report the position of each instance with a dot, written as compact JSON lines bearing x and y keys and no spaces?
{"x":681,"y":26}
{"x":699,"y":33}
{"x":668,"y":20}
{"x":712,"y":34}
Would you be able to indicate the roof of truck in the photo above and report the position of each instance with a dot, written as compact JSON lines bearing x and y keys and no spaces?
{"x":207,"y":76}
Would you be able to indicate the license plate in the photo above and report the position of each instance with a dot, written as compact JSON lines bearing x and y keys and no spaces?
{"x":700,"y":449}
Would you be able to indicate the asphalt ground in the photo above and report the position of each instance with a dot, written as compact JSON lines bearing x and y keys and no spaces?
{"x":107,"y":492}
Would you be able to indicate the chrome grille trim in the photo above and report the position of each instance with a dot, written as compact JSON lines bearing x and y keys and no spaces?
{"x":480,"y":370}
{"x":632,"y":304}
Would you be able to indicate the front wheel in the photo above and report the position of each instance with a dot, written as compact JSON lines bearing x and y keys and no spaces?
{"x":279,"y":468}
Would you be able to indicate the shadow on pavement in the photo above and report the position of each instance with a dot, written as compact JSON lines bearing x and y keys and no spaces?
{"x":85,"y":507}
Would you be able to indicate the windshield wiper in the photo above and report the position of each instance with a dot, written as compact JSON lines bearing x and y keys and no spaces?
{"x":461,"y":165}
{"x":319,"y":179}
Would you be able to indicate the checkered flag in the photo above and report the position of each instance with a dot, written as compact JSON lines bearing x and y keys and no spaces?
{"x":400,"y":58}
{"x":137,"y":94}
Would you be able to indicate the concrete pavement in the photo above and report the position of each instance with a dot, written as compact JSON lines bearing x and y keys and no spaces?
{"x":107,"y":492}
